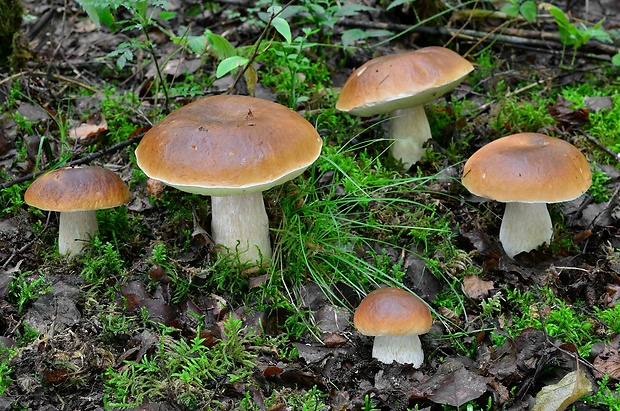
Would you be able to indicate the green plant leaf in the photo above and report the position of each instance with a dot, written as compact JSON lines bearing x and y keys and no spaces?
{"x":351,"y":36}
{"x":529,"y":10}
{"x":283,"y":28}
{"x":97,"y":12}
{"x":352,"y":9}
{"x":229,"y":64}
{"x":220,"y":47}
{"x":510,"y":9}
{"x":615,"y":60}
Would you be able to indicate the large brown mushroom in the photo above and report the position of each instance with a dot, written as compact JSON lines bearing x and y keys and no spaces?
{"x":231,"y":148}
{"x":526,"y":171}
{"x":400,"y":84}
{"x":77,"y":193}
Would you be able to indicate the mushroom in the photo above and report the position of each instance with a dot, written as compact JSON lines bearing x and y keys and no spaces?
{"x":395,"y":318}
{"x":231,"y":148}
{"x":526,"y":171}
{"x":77,"y":193}
{"x":400,"y":84}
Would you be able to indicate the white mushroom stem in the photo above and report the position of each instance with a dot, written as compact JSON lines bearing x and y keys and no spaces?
{"x":404,"y":349}
{"x":409,"y":129}
{"x":76,"y":228}
{"x":240,"y":224}
{"x":525,"y":226}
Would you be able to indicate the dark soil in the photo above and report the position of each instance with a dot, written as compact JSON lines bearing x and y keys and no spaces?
{"x":63,"y":368}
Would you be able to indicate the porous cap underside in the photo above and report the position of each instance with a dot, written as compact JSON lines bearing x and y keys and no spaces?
{"x":392,"y":311}
{"x":529,"y":168}
{"x":227,"y":145}
{"x":395,"y":81}
{"x":77,"y":189}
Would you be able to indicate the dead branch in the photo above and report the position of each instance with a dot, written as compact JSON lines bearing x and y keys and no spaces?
{"x":77,"y":162}
{"x":530,"y":38}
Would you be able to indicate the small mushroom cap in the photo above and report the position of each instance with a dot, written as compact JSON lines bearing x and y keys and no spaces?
{"x":527,"y":168}
{"x":388,"y":83}
{"x":392,"y":311}
{"x":226,"y":145}
{"x":83,"y":188}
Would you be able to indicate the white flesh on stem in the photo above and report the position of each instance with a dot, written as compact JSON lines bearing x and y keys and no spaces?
{"x":404,"y":349}
{"x":76,"y":228}
{"x":240,"y":224}
{"x":409,"y":130}
{"x":525,"y":226}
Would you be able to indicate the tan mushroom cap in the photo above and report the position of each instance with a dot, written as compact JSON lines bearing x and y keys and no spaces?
{"x":391,"y":82}
{"x":528,"y":168}
{"x":226,"y":145}
{"x":392,"y":311}
{"x":83,"y":188}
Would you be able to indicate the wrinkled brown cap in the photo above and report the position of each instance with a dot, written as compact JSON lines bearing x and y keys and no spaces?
{"x":388,"y":83}
{"x":226,"y":145}
{"x":77,"y":189}
{"x":528,"y":168}
{"x":392,"y":311}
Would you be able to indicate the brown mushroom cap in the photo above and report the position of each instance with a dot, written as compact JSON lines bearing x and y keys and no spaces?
{"x":392,"y":311}
{"x":226,"y":145}
{"x":528,"y":168}
{"x":387,"y":83}
{"x":77,"y":189}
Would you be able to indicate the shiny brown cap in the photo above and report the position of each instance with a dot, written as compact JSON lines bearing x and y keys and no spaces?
{"x":388,"y":83}
{"x":392,"y":311}
{"x":528,"y":168}
{"x":77,"y":189}
{"x":226,"y":145}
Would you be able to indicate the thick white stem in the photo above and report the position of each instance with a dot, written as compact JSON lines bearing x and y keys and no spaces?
{"x":240,"y":224}
{"x":75,"y":231}
{"x":525,"y":226}
{"x":409,"y":129}
{"x":404,"y":349}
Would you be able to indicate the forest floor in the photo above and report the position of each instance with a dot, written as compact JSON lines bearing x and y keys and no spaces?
{"x":151,"y":318}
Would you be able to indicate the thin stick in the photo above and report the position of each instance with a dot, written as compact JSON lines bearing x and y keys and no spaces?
{"x":55,"y":76}
{"x":79,"y":161}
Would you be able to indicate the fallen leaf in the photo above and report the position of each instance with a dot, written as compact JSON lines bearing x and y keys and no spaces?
{"x":558,"y":397}
{"x":459,"y":387}
{"x":608,"y":362}
{"x":86,"y":133}
{"x":476,"y":288}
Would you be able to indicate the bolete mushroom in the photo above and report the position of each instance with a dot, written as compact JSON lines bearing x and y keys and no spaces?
{"x":400,"y":84}
{"x":231,"y":148}
{"x":526,"y":171}
{"x":395,"y":318}
{"x":77,"y":193}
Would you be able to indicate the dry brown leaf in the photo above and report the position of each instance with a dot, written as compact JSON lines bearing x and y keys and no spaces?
{"x":476,"y":288}
{"x":558,"y":397}
{"x":86,"y":132}
{"x":608,"y":362}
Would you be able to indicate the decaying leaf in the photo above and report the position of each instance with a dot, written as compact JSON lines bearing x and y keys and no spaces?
{"x":86,"y":133}
{"x":476,"y":288}
{"x":608,"y":362}
{"x":558,"y":397}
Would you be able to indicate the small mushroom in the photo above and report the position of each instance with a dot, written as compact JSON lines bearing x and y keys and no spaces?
{"x":400,"y":84}
{"x":77,"y":193}
{"x":231,"y":148}
{"x":395,"y":318}
{"x":526,"y":171}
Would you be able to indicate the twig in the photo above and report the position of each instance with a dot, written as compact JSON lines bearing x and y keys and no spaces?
{"x":597,"y":143}
{"x":547,"y":41}
{"x":55,"y":76}
{"x":29,"y":243}
{"x":79,"y":161}
{"x":255,"y":51}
